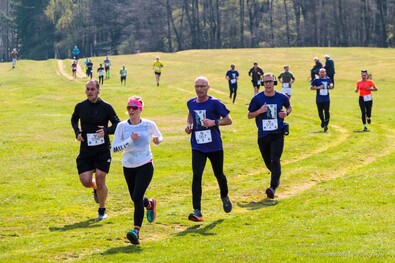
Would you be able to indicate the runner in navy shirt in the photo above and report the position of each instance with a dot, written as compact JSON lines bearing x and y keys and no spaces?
{"x":267,"y":107}
{"x":322,"y":84}
{"x":205,"y":116}
{"x":232,"y":76}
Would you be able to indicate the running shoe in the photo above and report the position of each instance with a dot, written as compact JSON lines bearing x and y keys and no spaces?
{"x":95,"y":196}
{"x":325,"y":128}
{"x":151,"y":213}
{"x":270,"y":193}
{"x":227,"y":204}
{"x":365,"y":129}
{"x":369,"y":121}
{"x":196,"y":216}
{"x":101,"y":214}
{"x":133,"y":236}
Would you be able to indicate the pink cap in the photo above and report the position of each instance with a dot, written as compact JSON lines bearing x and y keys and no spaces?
{"x":133,"y":102}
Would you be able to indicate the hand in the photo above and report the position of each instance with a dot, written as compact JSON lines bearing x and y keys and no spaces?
{"x":156,"y":140}
{"x":189,"y":128}
{"x":263,"y":109}
{"x":79,"y":137}
{"x":100,"y":131}
{"x":282,"y":114}
{"x":135,"y":136}
{"x":208,"y":123}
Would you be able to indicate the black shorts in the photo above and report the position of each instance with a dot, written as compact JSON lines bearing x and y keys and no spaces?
{"x":92,"y":159}
{"x":157,"y":73}
{"x":123,"y":78}
{"x":106,"y":68}
{"x":255,"y":83}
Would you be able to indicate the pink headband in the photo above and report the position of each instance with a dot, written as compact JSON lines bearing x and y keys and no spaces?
{"x":132,"y":101}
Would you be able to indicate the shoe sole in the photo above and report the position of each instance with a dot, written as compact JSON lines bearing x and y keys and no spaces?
{"x":104,"y":217}
{"x":154,"y":202}
{"x":228,"y":207}
{"x":132,"y":238}
{"x":195,"y":218}
{"x":270,"y":193}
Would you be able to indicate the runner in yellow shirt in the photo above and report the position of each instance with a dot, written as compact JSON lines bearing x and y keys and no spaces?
{"x":157,"y":67}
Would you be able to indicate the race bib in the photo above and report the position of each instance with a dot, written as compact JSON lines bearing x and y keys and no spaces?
{"x":285,"y":85}
{"x":367,"y":97}
{"x":269,"y":125}
{"x":233,"y":81}
{"x":94,"y":139}
{"x":258,"y":82}
{"x":323,"y":92}
{"x":203,"y":136}
{"x":157,"y":68}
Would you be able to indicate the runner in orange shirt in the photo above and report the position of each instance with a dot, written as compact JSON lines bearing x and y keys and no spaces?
{"x":365,"y":87}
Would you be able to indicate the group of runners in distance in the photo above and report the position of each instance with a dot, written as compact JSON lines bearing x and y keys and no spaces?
{"x":91,"y":117}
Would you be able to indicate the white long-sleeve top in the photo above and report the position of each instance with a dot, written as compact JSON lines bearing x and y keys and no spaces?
{"x":136,"y":153}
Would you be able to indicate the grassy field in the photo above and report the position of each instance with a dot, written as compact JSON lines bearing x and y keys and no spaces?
{"x":335,"y":202}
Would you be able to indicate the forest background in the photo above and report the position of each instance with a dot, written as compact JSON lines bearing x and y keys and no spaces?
{"x":43,"y":29}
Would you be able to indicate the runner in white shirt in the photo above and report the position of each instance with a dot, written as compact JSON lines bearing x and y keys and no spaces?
{"x":134,"y":136}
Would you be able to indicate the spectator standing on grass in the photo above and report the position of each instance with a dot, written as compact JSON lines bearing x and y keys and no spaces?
{"x":286,"y":79}
{"x":205,"y":115}
{"x":330,"y":68}
{"x":133,"y":137}
{"x":90,"y":124}
{"x":157,"y":67}
{"x":232,"y":76}
{"x":365,"y":86}
{"x":14,"y":55}
{"x":269,"y":108}
{"x":256,"y":74}
{"x":316,"y":68}
{"x":322,"y":85}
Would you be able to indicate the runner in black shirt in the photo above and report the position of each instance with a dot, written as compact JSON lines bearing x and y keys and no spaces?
{"x":93,"y":115}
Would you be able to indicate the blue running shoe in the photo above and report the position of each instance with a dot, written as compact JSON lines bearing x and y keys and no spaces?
{"x":227,"y":204}
{"x":270,"y":193}
{"x":133,"y":236}
{"x":151,"y":213}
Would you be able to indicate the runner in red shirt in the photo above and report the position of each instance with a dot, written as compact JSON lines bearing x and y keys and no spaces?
{"x":365,"y":88}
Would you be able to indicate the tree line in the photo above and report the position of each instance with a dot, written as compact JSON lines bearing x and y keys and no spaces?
{"x":43,"y":29}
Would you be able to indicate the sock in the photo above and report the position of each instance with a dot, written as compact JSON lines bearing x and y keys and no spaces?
{"x":102,"y":211}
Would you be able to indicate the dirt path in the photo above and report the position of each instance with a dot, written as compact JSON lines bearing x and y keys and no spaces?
{"x":62,"y":71}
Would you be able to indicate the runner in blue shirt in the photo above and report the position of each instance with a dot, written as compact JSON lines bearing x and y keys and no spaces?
{"x":322,"y":84}
{"x":267,"y":107}
{"x":205,"y":115}
{"x":232,"y":76}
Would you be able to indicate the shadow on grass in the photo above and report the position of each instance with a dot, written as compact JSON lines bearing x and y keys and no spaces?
{"x":255,"y":205}
{"x":198,"y":229}
{"x":90,"y":223}
{"x":129,"y":249}
{"x":361,"y":131}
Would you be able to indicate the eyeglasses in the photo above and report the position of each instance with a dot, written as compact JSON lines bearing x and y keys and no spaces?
{"x":200,"y":86}
{"x":133,"y":107}
{"x":267,"y":81}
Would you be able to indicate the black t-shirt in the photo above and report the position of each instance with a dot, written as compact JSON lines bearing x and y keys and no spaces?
{"x":91,"y":115}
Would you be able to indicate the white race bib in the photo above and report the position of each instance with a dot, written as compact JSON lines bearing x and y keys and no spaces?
{"x":367,"y":97}
{"x":157,"y":68}
{"x":269,"y":125}
{"x":285,"y":85}
{"x":94,"y":139}
{"x":323,"y":92}
{"x":258,"y":82}
{"x":233,"y":81}
{"x":203,"y":136}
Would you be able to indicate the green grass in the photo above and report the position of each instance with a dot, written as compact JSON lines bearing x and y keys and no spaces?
{"x":335,"y":202}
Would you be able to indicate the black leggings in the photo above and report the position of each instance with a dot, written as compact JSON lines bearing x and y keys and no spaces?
{"x":366,"y":108}
{"x":233,"y":91}
{"x":198,"y":163}
{"x":271,"y":147}
{"x":138,"y":180}
{"x":323,"y":112}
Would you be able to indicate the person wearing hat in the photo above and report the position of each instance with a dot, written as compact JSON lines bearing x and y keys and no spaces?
{"x":157,"y":67}
{"x":133,"y":137}
{"x":93,"y":114}
{"x":330,"y":68}
{"x":232,"y":76}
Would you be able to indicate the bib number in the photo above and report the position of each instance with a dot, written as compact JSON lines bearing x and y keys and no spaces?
{"x":233,"y":81}
{"x":94,"y":139}
{"x":269,"y":125}
{"x":367,"y":97}
{"x":203,"y":136}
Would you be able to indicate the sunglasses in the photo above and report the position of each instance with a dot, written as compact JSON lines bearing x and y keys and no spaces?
{"x":133,"y":107}
{"x":267,"y":81}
